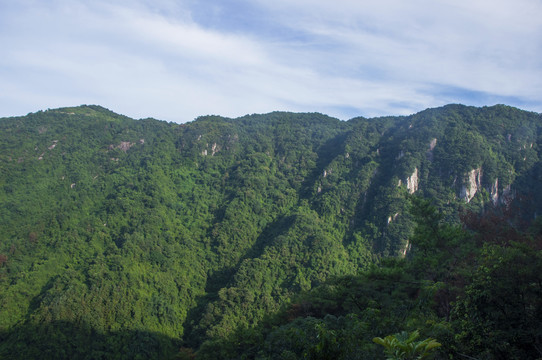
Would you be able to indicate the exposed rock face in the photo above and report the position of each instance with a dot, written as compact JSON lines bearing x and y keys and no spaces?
{"x":215,"y":148}
{"x":392,"y":218}
{"x":53,"y":145}
{"x":432,"y":144}
{"x":125,"y":145}
{"x":406,"y":249}
{"x":494,"y":192}
{"x":472,"y":186}
{"x":412,"y":182}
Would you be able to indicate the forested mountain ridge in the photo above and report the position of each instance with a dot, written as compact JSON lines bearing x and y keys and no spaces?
{"x":139,"y":236}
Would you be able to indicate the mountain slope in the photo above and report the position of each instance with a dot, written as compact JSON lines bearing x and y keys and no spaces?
{"x":185,"y":232}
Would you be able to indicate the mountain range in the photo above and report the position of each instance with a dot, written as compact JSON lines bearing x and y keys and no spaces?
{"x":140,"y":237}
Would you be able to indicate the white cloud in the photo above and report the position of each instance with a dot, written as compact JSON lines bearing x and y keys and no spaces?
{"x":483,"y":46}
{"x":151,"y":58}
{"x":132,"y":60}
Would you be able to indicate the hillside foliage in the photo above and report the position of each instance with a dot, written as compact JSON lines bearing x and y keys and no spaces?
{"x":276,"y":236}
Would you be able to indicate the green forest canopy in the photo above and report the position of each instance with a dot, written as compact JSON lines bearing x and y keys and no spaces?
{"x":133,"y":238}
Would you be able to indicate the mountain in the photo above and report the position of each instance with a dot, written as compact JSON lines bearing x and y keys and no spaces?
{"x":136,"y":237}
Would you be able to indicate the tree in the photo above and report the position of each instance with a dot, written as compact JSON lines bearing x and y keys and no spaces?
{"x":499,"y":315}
{"x":402,"y":346}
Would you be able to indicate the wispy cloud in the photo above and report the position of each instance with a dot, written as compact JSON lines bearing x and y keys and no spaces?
{"x":176,"y":60}
{"x":483,"y":46}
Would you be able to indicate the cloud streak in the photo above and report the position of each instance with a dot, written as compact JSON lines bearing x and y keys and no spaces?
{"x":178,"y":60}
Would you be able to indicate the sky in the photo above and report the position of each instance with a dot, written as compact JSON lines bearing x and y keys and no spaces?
{"x":175,"y":60}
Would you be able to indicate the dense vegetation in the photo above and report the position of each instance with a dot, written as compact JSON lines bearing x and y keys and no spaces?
{"x":270,"y":236}
{"x":477,"y":288}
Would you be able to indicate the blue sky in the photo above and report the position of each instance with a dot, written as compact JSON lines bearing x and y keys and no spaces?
{"x":177,"y":60}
